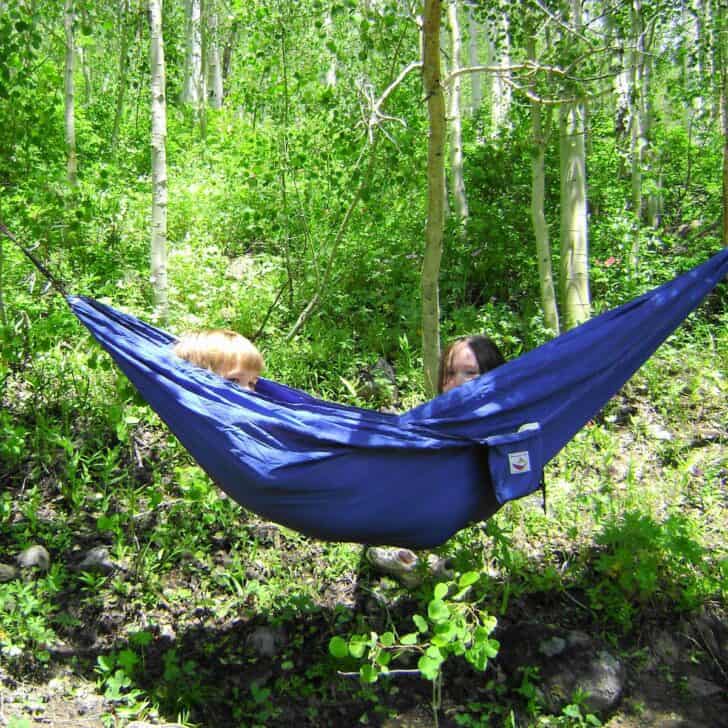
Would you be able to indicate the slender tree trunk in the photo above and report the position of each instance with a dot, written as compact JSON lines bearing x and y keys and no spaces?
{"x":638,"y":142}
{"x":215,"y":63}
{"x":500,"y":52}
{"x":193,"y":56}
{"x":202,"y":98}
{"x":83,"y":54}
{"x":574,"y":281}
{"x":541,"y":130}
{"x":330,"y":79}
{"x":159,"y":161}
{"x":456,"y":123}
{"x":476,"y":79}
{"x":435,"y":193}
{"x":123,"y":65}
{"x":70,"y":121}
{"x":3,"y":315}
{"x":227,"y":52}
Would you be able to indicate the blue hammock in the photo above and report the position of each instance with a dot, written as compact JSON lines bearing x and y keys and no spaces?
{"x":342,"y":473}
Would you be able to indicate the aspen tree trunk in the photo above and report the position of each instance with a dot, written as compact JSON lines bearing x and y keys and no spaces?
{"x":476,"y":80}
{"x":123,"y":65}
{"x":215,"y":62}
{"x":456,"y":123}
{"x":540,"y":227}
{"x":85,"y":54}
{"x":574,"y":250}
{"x":699,"y":71}
{"x":574,"y":279}
{"x":435,"y":193}
{"x":159,"y":161}
{"x":193,"y":56}
{"x":638,"y":142}
{"x":202,"y":99}
{"x":500,"y":52}
{"x":717,"y":65}
{"x":330,"y":79}
{"x":231,"y":42}
{"x":70,"y":121}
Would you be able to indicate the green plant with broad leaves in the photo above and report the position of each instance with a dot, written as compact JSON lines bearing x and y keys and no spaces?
{"x":451,"y":626}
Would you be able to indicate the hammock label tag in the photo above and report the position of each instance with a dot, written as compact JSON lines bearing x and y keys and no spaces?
{"x":519,"y":462}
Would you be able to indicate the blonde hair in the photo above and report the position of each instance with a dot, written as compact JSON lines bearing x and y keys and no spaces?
{"x":218,"y":350}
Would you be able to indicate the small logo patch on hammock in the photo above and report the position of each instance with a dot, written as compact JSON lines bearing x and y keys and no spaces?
{"x":519,"y":462}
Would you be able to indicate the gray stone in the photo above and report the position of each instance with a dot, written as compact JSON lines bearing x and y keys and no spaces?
{"x":553,"y":646}
{"x":97,"y":560}
{"x":699,"y":688}
{"x":34,"y":556}
{"x":7,"y":573}
{"x":265,"y":642}
{"x":567,"y":661}
{"x":666,"y":648}
{"x":658,"y":432}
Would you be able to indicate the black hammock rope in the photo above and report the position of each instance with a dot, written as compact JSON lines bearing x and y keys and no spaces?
{"x":52,"y":279}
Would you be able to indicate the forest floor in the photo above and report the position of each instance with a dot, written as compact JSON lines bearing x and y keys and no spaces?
{"x":232,"y":625}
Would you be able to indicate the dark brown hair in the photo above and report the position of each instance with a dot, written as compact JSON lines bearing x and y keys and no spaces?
{"x":487,"y":354}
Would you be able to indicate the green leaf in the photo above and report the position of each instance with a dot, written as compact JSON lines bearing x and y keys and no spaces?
{"x":409,"y":639}
{"x":434,"y":653}
{"x":420,"y":623}
{"x":429,"y":667}
{"x":444,"y":633}
{"x":440,"y":591}
{"x":357,"y":646}
{"x":338,"y":648}
{"x":387,"y":639}
{"x":106,"y":663}
{"x":142,"y":639}
{"x":438,"y":611}
{"x":468,"y":579}
{"x":128,"y":660}
{"x":368,"y":673}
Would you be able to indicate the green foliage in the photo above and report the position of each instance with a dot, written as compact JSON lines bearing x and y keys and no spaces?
{"x":26,"y":617}
{"x":256,"y":204}
{"x":643,"y":560}
{"x":450,"y":626}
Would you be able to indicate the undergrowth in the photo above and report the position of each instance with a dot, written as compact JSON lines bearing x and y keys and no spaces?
{"x":635,"y":525}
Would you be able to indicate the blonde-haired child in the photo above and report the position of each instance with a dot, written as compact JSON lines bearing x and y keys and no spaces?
{"x":225,"y":352}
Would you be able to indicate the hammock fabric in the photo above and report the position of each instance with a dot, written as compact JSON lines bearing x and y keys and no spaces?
{"x":342,"y":473}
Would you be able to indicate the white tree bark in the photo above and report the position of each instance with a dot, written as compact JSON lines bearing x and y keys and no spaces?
{"x":500,"y":54}
{"x":541,"y":130}
{"x":192,"y":90}
{"x":83,"y":54}
{"x":215,"y":62}
{"x":476,"y":80}
{"x":330,"y":79}
{"x":638,"y":138}
{"x":69,"y":114}
{"x":435,"y":193}
{"x":574,"y":249}
{"x":123,"y":65}
{"x":159,"y":161}
{"x":455,"y":114}
{"x":574,"y":279}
